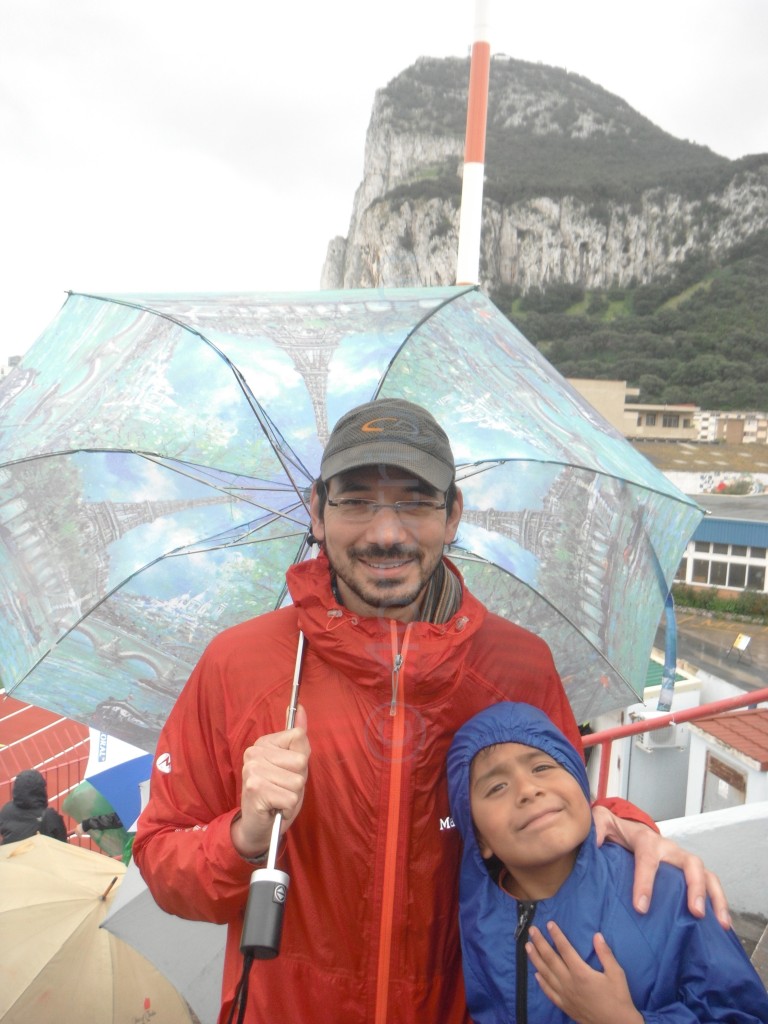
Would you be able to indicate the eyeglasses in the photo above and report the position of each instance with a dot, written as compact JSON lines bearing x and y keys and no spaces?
{"x":362,"y":510}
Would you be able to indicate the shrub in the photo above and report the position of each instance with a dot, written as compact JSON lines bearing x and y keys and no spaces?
{"x":748,"y":603}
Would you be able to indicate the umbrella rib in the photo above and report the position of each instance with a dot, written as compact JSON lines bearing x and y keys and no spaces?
{"x":284,"y":453}
{"x":167,"y":463}
{"x":461,"y":555}
{"x":485,"y":465}
{"x":239,"y":542}
{"x":160,"y":461}
{"x":419,"y":323}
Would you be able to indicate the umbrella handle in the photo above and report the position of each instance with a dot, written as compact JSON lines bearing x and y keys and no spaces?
{"x":274,"y":841}
{"x":263,"y":922}
{"x":293,"y":706}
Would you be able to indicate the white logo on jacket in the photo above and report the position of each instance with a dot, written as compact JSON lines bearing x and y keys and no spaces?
{"x":163,"y":763}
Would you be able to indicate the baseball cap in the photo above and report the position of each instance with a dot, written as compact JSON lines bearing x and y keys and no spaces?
{"x":391,"y":432}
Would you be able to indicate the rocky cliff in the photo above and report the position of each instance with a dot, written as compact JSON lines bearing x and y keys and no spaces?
{"x":580,"y":188}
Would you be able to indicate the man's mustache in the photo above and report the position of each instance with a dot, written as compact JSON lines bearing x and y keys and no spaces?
{"x":398,"y":552}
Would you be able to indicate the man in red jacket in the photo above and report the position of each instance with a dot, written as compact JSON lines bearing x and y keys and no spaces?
{"x":399,"y":654}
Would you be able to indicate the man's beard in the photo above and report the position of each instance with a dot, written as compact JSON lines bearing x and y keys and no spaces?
{"x":376,"y":594}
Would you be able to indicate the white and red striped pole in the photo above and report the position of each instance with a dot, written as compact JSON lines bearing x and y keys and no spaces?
{"x":471,"y":215}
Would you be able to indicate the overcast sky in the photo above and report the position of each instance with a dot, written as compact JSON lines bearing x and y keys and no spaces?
{"x":174,"y":145}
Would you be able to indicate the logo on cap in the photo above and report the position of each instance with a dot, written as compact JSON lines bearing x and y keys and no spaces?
{"x":394,"y":424}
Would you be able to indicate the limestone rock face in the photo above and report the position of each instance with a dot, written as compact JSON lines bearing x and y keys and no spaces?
{"x":405,"y":218}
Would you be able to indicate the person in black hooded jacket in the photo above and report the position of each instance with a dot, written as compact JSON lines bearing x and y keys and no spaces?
{"x":28,"y":812}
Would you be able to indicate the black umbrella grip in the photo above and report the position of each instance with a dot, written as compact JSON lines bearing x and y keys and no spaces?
{"x":263,"y":924}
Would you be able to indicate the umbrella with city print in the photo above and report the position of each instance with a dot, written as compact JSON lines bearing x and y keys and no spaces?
{"x":156,"y":454}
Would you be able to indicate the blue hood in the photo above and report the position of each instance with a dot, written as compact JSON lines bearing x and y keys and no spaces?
{"x":678,"y":968}
{"x":506,"y":722}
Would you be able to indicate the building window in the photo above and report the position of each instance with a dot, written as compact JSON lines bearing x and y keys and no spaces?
{"x":756,"y":577}
{"x":686,"y":424}
{"x":701,"y":570}
{"x":716,"y":564}
{"x":670,"y":420}
{"x":737,"y":574}
{"x":650,"y":419}
{"x":718,"y":572}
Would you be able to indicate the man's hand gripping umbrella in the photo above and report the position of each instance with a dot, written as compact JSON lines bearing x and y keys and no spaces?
{"x":263,"y":923}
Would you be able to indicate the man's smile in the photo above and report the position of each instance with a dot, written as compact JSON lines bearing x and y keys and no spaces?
{"x":385,"y":565}
{"x":380,"y":561}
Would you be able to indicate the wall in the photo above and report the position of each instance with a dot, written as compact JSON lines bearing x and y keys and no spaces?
{"x":608,"y":397}
{"x":734,"y":844}
{"x":704,"y":482}
{"x":757,"y":781}
{"x":660,"y":422}
{"x":654,"y":780}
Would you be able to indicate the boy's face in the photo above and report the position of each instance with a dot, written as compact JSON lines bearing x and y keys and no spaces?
{"x":528,"y":810}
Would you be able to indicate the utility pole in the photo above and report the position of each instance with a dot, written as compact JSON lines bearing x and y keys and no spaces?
{"x":471,"y":215}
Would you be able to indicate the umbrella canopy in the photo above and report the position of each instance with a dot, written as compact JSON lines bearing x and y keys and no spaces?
{"x":56,"y":963}
{"x":117,"y":769}
{"x":113,"y":781}
{"x":86,"y":802}
{"x":156,"y":455}
{"x":189,"y":953}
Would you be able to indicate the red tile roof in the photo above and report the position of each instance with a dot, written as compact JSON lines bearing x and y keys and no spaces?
{"x":744,"y":731}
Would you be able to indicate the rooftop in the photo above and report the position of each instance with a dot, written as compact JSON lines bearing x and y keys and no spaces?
{"x":752,"y":507}
{"x":704,"y":457}
{"x":744,"y":731}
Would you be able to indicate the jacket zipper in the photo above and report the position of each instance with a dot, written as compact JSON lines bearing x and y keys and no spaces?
{"x":525,"y":912}
{"x":396,"y":666}
{"x":397,"y":713}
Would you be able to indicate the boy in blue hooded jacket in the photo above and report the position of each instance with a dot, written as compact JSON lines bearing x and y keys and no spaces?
{"x":531,"y":866}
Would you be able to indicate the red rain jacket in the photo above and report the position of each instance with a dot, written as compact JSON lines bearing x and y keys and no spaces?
{"x":370,"y":932}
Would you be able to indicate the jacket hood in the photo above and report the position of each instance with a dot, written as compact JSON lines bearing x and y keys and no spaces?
{"x":506,"y":722}
{"x":30,"y":790}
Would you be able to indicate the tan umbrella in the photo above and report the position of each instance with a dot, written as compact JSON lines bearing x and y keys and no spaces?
{"x":190,"y":954}
{"x":56,"y":963}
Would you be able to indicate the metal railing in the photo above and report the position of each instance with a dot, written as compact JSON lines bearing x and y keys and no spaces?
{"x":604,"y":739}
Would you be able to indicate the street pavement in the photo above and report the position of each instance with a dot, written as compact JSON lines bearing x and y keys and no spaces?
{"x":706,"y":643}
